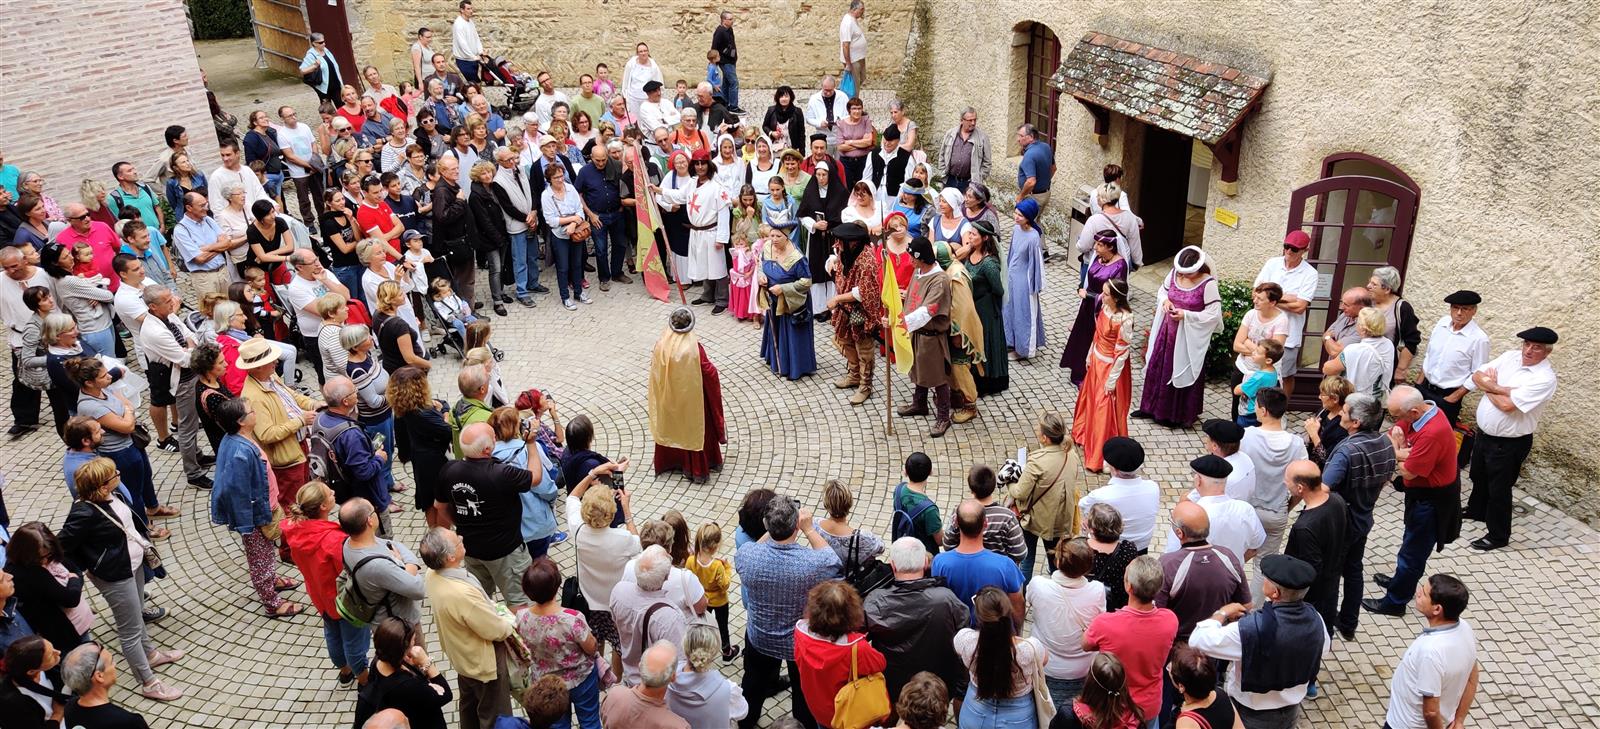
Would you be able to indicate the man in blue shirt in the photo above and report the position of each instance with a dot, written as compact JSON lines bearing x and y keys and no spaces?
{"x":598,"y":184}
{"x":202,"y":246}
{"x":1038,"y":166}
{"x":969,"y":567}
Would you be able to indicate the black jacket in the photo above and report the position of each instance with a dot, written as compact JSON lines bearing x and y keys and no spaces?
{"x":722,"y":43}
{"x":43,"y":602}
{"x":793,"y":121}
{"x":451,"y":221}
{"x":96,"y":543}
{"x":715,"y":115}
{"x":488,"y":220}
{"x":914,"y":624}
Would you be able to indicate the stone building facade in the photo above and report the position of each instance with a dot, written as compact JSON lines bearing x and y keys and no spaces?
{"x":780,"y":42}
{"x":1489,"y":123}
{"x":96,"y":81}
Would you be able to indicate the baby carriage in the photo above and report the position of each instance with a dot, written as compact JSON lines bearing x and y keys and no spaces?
{"x":519,"y":86}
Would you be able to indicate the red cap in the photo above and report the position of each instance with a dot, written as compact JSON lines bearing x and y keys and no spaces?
{"x":1297,"y":239}
{"x":700,"y":155}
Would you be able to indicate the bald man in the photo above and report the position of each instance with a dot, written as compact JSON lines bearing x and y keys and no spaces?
{"x":1200,"y":577}
{"x":345,"y":457}
{"x":969,"y":567}
{"x":1318,"y":536}
{"x":484,"y":500}
{"x":98,"y":235}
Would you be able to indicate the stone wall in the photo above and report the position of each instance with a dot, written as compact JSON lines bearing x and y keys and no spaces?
{"x":780,"y":42}
{"x":96,"y":81}
{"x":1494,"y":121}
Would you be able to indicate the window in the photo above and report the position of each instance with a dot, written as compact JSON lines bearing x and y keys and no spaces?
{"x":1040,"y":104}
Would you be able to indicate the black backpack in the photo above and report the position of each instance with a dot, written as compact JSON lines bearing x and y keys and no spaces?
{"x":323,"y":460}
{"x":354,"y":607}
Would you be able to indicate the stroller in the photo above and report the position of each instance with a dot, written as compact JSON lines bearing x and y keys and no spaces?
{"x":519,"y":86}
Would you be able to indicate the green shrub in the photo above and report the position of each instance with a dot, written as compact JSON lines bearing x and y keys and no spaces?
{"x":1235,"y":302}
{"x":214,"y":19}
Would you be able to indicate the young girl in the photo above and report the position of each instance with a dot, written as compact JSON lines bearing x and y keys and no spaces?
{"x":778,"y":210}
{"x":603,"y":86}
{"x":497,"y":388}
{"x":478,"y":336}
{"x":715,"y":574}
{"x":450,"y":308}
{"x":83,"y":263}
{"x":897,"y":249}
{"x":745,"y":233}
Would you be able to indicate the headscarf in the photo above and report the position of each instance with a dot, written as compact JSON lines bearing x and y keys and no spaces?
{"x":1030,"y":210}
{"x":955,"y":200}
{"x":718,"y":158}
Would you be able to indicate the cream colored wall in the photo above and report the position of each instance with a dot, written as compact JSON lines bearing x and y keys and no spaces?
{"x":789,"y":42}
{"x":1490,"y":109}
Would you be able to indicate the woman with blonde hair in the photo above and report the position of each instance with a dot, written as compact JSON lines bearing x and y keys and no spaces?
{"x":185,"y":178}
{"x":491,"y":236}
{"x":399,"y":341}
{"x":93,"y":194}
{"x":1046,"y":494}
{"x":700,"y":694}
{"x":374,"y":255}
{"x":102,"y":536}
{"x":427,"y":432}
{"x":603,"y":551}
{"x":316,"y":546}
{"x":836,"y":530}
{"x":333,"y":310}
{"x":1369,"y":363}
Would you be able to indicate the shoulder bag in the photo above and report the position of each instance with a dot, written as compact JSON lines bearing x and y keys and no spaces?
{"x":1021,"y":512}
{"x":152,"y":558}
{"x":864,"y":701}
{"x":571,"y":590}
{"x":1044,"y":708}
{"x":868,"y":575}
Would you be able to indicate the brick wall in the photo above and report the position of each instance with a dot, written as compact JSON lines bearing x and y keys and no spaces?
{"x":90,"y":82}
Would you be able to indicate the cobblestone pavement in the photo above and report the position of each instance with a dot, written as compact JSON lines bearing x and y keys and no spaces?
{"x":1532,"y":603}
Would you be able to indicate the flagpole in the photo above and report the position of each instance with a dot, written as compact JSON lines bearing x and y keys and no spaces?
{"x":655,"y":215}
{"x":888,"y":353}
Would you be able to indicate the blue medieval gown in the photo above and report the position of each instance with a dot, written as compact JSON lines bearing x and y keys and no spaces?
{"x":787,"y":342}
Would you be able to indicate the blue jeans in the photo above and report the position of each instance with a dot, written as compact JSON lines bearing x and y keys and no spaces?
{"x":1063,"y":691}
{"x":385,"y":429}
{"x":586,"y":702}
{"x":569,"y":266}
{"x":274,"y":184}
{"x":1415,"y":546}
{"x":537,"y":547}
{"x":1012,"y":713}
{"x":1031,"y":540}
{"x":138,"y":477}
{"x":609,"y":247}
{"x":102,"y":342}
{"x":525,"y":261}
{"x":347,"y":644}
{"x":350,"y":276}
{"x":730,"y":84}
{"x":1247,"y":420}
{"x":469,"y":71}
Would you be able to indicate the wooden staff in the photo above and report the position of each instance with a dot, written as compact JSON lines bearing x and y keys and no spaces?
{"x":888,"y":349}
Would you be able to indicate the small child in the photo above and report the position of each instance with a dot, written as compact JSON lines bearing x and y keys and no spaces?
{"x":714,"y":71}
{"x":680,"y":97}
{"x":715,"y":574}
{"x":744,"y":234}
{"x":1265,"y":358}
{"x":419,"y":258}
{"x":450,"y":308}
{"x":83,"y":263}
{"x":602,"y":81}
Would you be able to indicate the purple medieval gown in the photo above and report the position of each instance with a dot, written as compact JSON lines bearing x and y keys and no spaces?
{"x":1075,"y":356}
{"x":1160,"y":399}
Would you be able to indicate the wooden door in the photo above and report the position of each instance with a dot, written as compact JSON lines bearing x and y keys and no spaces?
{"x":1357,"y":223}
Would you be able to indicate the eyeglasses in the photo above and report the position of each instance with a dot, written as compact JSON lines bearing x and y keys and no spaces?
{"x":84,"y":216}
{"x":367,"y":160}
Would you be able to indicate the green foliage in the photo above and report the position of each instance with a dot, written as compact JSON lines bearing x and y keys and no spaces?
{"x":215,"y":19}
{"x":1235,"y":302}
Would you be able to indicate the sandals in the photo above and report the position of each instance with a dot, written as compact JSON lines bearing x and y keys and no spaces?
{"x":159,"y":533}
{"x":396,"y":507}
{"x":285,"y":584}
{"x":286,"y":610}
{"x":162,"y":512}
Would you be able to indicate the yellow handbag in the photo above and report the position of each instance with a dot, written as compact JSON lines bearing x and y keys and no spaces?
{"x":862,"y":703}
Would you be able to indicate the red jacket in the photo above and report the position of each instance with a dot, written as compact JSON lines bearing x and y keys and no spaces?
{"x":317,"y":548}
{"x":233,"y":377}
{"x":825,"y":667}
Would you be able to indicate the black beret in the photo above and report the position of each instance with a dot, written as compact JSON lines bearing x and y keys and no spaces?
{"x":1223,"y":431}
{"x":850,"y":231}
{"x":1463,"y":298}
{"x":819,"y":135}
{"x":1538,"y":335}
{"x":1290,"y":572}
{"x":922,"y":250}
{"x":1124,"y":454}
{"x":651,"y":85}
{"x":1212,"y":465}
{"x":891,"y":132}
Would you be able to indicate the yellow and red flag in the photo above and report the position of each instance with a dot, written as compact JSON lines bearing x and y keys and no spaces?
{"x":900,"y":350}
{"x":647,"y":255}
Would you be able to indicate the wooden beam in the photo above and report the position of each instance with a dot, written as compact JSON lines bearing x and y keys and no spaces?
{"x":1226,"y":152}
{"x":1102,"y":117}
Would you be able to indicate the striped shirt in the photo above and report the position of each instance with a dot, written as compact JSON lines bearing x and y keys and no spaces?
{"x":1357,"y":470}
{"x":1002,"y":533}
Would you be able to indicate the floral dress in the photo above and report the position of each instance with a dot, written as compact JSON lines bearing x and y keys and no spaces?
{"x":555,"y":645}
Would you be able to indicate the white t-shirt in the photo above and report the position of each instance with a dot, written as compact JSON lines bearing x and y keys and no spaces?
{"x":299,"y":140}
{"x":1438,"y":664}
{"x":1062,"y":610}
{"x":1028,"y":652}
{"x":419,"y":275}
{"x":1257,"y":331}
{"x":1300,"y":283}
{"x":299,"y":294}
{"x":13,"y":312}
{"x":850,"y":32}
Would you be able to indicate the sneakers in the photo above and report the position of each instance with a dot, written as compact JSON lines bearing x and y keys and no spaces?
{"x":526,"y":301}
{"x":718,"y":309}
{"x":588,"y":266}
{"x":583,"y":298}
{"x":568,"y":303}
{"x":201,"y":482}
{"x":159,"y":691}
{"x":347,"y":681}
{"x":540,"y":289}
{"x":154,"y":614}
{"x":163,"y":657}
{"x":169,"y":445}
{"x":730,"y":653}
{"x":557,"y":538}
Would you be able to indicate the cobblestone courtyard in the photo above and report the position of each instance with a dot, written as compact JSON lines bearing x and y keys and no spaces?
{"x":1532,"y":605}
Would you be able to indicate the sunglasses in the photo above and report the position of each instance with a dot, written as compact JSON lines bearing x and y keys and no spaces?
{"x":84,"y":216}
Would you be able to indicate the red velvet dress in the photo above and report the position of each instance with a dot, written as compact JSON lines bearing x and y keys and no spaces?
{"x":699,"y":464}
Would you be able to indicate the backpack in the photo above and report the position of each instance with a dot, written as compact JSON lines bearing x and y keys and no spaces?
{"x":120,"y":197}
{"x":905,"y":523}
{"x":354,"y":607}
{"x":323,"y":460}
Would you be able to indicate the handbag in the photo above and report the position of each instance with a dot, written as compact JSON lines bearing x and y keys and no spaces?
{"x":141,"y":436}
{"x":865,"y":576}
{"x":152,"y":558}
{"x":1044,"y":708}
{"x":571,"y":591}
{"x":864,"y":701}
{"x":581,"y":232}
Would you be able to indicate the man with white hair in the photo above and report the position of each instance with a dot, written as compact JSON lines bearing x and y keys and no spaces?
{"x":1234,"y":523}
{"x":644,"y":612}
{"x":913,"y":621}
{"x":654,"y":111}
{"x":483,"y":497}
{"x":311,"y":282}
{"x":166,"y":341}
{"x":713,"y":114}
{"x":1425,"y":458}
{"x":20,"y":276}
{"x":645,"y":705}
{"x":353,"y":465}
{"x":514,"y":188}
{"x":826,"y":108}
{"x":90,"y":672}
{"x":1357,"y":470}
{"x":470,"y":629}
{"x":201,"y":246}
{"x":1135,"y":498}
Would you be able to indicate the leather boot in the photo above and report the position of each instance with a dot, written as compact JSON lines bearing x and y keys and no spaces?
{"x":866,"y":353}
{"x":862,"y":393}
{"x":917,"y":406}
{"x":941,"y":409}
{"x":852,"y":369}
{"x":964,"y":415}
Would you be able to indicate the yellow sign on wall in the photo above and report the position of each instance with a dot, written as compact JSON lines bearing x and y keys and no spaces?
{"x":1227,"y":217}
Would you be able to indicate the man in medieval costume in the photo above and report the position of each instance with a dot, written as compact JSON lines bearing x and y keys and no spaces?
{"x":707,"y":204}
{"x":685,"y":402}
{"x":966,"y":338}
{"x":928,"y":319}
{"x":857,"y":308}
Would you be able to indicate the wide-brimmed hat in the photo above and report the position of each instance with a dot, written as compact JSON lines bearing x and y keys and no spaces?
{"x":254,"y":352}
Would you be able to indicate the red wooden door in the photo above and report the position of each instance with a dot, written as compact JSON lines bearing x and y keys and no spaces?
{"x":1357,"y":223}
{"x":328,"y":18}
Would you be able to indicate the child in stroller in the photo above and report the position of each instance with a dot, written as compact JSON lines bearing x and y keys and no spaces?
{"x":453,"y":312}
{"x":519,"y":86}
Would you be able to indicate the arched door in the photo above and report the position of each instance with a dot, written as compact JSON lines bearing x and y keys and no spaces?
{"x":1357,"y":223}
